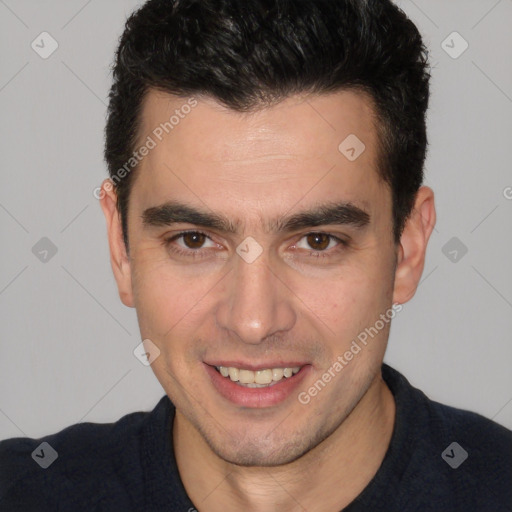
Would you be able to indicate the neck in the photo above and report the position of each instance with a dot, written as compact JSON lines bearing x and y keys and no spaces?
{"x":338,"y":469}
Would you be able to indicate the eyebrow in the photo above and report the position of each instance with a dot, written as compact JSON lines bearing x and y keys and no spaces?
{"x":173,"y":212}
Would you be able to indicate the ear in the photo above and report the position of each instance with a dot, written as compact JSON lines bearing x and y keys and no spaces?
{"x":119,"y":258}
{"x":413,"y":246}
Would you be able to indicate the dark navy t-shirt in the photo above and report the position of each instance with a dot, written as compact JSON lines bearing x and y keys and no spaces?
{"x":439,"y":459}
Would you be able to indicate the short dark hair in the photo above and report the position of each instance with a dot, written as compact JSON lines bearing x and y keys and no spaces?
{"x":248,"y":54}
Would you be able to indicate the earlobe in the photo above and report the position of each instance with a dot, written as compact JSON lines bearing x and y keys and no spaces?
{"x":118,"y":256}
{"x":413,"y":246}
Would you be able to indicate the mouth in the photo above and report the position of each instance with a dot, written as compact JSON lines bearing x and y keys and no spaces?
{"x":257,"y":378}
{"x":256,"y":387}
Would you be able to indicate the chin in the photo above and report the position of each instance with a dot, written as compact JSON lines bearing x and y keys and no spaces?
{"x":251,"y":455}
{"x":258,"y":451}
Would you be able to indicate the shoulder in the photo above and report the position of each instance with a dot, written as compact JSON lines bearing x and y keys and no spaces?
{"x":487,"y":443}
{"x":81,"y":462}
{"x":455,"y":456}
{"x":474,"y":459}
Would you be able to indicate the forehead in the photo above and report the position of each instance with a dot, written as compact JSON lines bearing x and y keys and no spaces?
{"x":303,"y":146}
{"x":211,"y":130}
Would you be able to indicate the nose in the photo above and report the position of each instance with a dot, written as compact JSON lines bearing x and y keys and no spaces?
{"x":255,"y":303}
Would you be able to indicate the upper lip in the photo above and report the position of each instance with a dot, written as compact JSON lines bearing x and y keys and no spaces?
{"x":257,"y":366}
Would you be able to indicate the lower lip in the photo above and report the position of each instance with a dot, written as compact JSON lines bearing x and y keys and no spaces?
{"x":256,"y":397}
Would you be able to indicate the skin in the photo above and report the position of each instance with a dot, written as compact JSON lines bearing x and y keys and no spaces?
{"x":289,"y":304}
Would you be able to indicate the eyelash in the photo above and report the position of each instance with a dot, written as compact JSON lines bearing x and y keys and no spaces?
{"x":196,"y":253}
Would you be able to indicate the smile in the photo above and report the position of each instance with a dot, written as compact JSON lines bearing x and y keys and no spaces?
{"x":258,"y":387}
{"x":259,"y":378}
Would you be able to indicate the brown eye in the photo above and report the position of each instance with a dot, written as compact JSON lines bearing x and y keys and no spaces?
{"x":191,"y":244}
{"x":193,"y":240}
{"x":318,"y":241}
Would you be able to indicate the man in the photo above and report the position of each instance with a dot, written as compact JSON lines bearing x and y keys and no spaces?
{"x":266,"y":218}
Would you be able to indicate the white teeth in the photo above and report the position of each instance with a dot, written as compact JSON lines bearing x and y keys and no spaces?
{"x":263,"y":376}
{"x":246,"y":376}
{"x":277,"y":373}
{"x":233,"y":374}
{"x":258,"y":378}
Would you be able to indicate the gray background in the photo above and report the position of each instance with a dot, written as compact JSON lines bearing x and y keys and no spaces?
{"x":66,"y":339}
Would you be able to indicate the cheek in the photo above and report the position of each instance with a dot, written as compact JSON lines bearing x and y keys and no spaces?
{"x":160,"y":298}
{"x":345,"y":303}
{"x":173,"y":301}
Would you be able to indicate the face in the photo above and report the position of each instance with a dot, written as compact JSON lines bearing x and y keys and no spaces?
{"x":257,"y":244}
